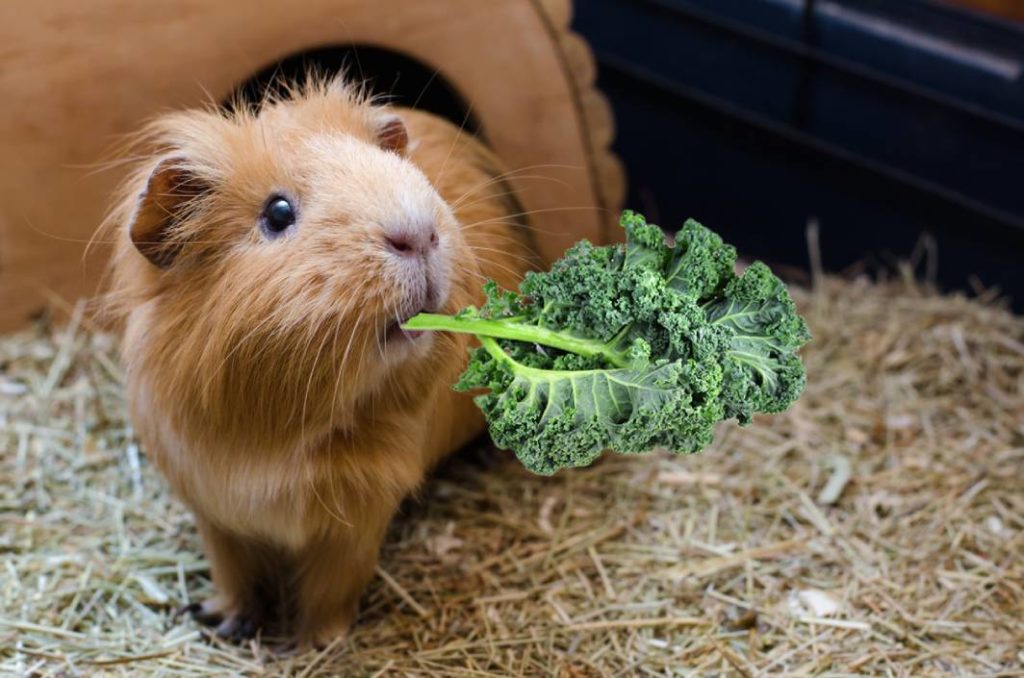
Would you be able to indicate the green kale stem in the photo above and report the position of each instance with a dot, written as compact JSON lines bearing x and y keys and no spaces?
{"x":516,"y":331}
{"x":498,"y":353}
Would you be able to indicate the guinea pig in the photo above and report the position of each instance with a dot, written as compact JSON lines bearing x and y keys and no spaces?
{"x":265,"y":259}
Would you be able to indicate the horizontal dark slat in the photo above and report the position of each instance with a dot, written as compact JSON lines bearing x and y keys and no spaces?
{"x":1004,"y":224}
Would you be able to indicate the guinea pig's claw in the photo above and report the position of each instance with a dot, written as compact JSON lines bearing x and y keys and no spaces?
{"x":189,"y":608}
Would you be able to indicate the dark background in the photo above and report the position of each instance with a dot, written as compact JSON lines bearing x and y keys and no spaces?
{"x":884,"y":120}
{"x":896,"y":125}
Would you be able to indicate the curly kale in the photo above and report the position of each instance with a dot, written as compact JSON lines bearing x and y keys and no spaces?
{"x":630,"y":348}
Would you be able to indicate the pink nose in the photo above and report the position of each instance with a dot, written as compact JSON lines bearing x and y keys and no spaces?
{"x":412,"y":241}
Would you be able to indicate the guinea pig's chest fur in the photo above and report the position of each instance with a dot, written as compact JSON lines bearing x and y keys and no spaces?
{"x":288,"y":494}
{"x":258,"y":496}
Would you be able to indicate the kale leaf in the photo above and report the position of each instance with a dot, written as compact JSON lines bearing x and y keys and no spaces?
{"x":630,"y":348}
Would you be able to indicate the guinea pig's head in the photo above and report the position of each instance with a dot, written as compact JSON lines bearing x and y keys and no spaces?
{"x":274,"y":254}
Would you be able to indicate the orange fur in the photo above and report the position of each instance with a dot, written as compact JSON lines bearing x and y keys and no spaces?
{"x":259,"y":374}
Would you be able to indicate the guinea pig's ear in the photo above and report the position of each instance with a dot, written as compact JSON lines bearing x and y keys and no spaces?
{"x":170,"y":192}
{"x":391,"y":133}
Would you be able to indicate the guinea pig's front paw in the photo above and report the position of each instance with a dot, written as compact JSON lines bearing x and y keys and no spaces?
{"x":227,"y":623}
{"x":237,"y":627}
{"x":208,"y":613}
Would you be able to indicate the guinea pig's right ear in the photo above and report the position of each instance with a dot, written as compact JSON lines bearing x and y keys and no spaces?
{"x":170,"y":192}
{"x":392,"y":134}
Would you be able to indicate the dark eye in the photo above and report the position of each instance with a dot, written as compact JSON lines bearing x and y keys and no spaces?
{"x":278,"y":215}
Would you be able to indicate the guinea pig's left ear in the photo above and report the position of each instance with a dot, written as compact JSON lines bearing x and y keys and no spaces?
{"x":170,"y":192}
{"x":391,"y":133}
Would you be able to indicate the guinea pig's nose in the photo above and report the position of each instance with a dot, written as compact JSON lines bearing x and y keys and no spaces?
{"x":412,"y":241}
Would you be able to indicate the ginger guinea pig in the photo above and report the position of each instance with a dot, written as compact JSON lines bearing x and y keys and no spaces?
{"x":264,"y":262}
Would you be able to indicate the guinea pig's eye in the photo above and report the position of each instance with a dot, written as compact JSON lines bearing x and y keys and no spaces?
{"x":278,"y":215}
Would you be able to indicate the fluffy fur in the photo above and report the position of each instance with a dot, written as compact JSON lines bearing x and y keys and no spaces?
{"x":264,"y":375}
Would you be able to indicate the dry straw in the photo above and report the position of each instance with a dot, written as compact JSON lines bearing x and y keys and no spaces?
{"x":876,"y":528}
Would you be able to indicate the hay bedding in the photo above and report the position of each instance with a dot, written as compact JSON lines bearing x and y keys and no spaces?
{"x":877,"y":528}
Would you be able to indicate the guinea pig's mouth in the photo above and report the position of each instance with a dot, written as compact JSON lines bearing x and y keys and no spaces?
{"x":421,"y":299}
{"x":395,"y":332}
